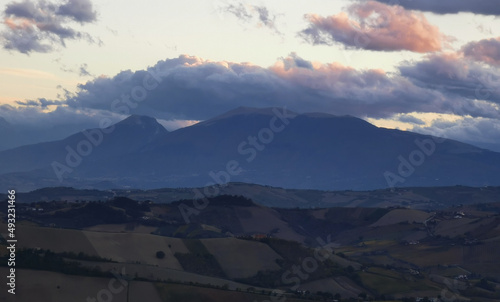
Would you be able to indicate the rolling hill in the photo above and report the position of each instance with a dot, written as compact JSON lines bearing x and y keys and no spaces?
{"x":236,"y":246}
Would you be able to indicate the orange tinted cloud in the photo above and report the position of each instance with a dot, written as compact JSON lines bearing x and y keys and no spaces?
{"x":376,"y":26}
{"x":20,"y":23}
{"x":27,"y":73}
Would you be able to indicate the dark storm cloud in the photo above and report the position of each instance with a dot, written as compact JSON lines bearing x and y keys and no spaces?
{"x":481,"y":7}
{"x":40,"y":26}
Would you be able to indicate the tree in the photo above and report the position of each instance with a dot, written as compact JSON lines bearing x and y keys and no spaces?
{"x":160,"y":254}
{"x":486,"y":285}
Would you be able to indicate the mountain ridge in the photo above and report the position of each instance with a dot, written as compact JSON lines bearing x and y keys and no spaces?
{"x":268,"y":146}
{"x":37,"y":156}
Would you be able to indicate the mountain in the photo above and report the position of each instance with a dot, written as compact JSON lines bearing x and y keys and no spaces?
{"x":4,"y":129}
{"x":17,"y":135}
{"x":268,"y":146}
{"x":3,"y":123}
{"x":126,"y":136}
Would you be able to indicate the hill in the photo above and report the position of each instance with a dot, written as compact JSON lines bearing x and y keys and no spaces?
{"x":235,"y":245}
{"x":412,"y":197}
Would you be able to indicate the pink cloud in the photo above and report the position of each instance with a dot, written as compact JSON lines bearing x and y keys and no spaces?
{"x":376,"y":26}
{"x":487,"y":50}
{"x":333,"y":77}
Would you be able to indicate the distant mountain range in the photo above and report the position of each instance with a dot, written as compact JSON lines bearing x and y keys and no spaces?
{"x":16,"y":135}
{"x":269,"y":146}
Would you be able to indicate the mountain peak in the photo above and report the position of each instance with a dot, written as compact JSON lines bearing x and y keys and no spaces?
{"x":145,"y":125}
{"x":250,"y":110}
{"x":270,"y":111}
{"x":345,"y":120}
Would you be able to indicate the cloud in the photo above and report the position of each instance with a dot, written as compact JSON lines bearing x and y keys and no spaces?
{"x":266,"y":17}
{"x":191,"y":88}
{"x":375,"y":26}
{"x":239,"y":11}
{"x":252,"y":13}
{"x":84,"y":71}
{"x":27,"y":73}
{"x":40,"y":26}
{"x":294,"y":61}
{"x":41,"y":103}
{"x":457,"y":77}
{"x":34,"y":115}
{"x":79,"y":10}
{"x":481,"y":7}
{"x":482,"y":132}
{"x":487,"y":51}
{"x":405,"y":118}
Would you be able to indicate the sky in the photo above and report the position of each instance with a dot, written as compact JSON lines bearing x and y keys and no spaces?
{"x":425,"y":66}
